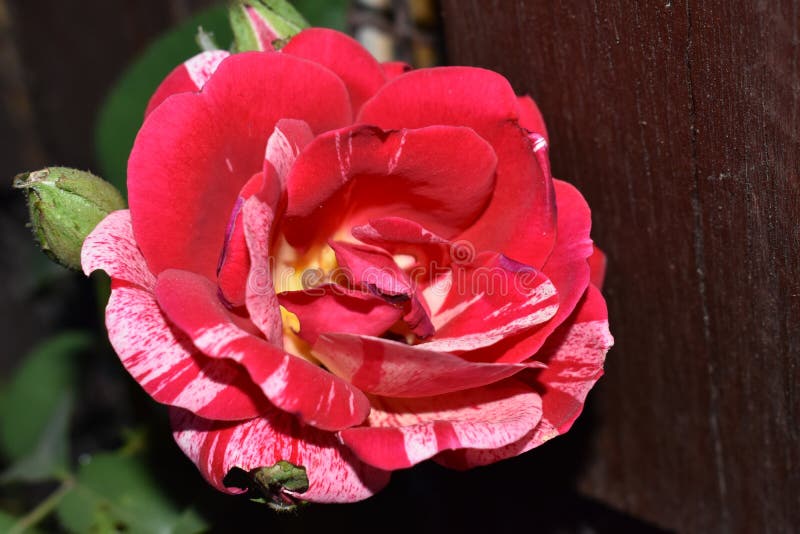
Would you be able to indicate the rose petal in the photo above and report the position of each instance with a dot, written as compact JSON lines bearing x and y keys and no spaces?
{"x":520,"y":220}
{"x":345,"y":56}
{"x":292,"y":384}
{"x":567,"y":269}
{"x":597,"y":267}
{"x":189,"y":76}
{"x":574,"y":355}
{"x":332,"y":308}
{"x":233,"y":267}
{"x":288,"y":139}
{"x":262,"y":303}
{"x":169,"y":368}
{"x":530,"y":117}
{"x":404,"y":432}
{"x":402,"y":236}
{"x":196,"y":150}
{"x":334,"y":473}
{"x":111,"y":248}
{"x":408,"y":173}
{"x":157,"y":356}
{"x":393,"y":69}
{"x":391,"y":369}
{"x":489,"y":300}
{"x":374,"y":270}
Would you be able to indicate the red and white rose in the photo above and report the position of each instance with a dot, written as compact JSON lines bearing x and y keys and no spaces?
{"x":350,"y":267}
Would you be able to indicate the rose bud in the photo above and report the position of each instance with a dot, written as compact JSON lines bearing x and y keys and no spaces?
{"x":65,"y":206}
{"x":263,"y":25}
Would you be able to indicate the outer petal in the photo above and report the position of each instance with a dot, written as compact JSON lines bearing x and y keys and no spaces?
{"x":391,"y":369}
{"x":292,"y":384}
{"x":568,"y":270}
{"x":345,"y":56}
{"x":520,"y":220}
{"x":196,"y":151}
{"x":111,"y":248}
{"x":530,"y":117}
{"x":334,"y":474}
{"x":164,"y":362}
{"x":393,"y":69}
{"x":408,"y":173}
{"x":157,"y":356}
{"x":597,"y":268}
{"x":574,"y":355}
{"x":190,"y":76}
{"x":332,"y":308}
{"x":403,"y":432}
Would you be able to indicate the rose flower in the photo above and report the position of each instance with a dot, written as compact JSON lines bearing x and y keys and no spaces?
{"x":350,"y":267}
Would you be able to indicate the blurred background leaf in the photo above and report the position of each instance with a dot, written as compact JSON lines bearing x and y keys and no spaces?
{"x":37,"y":404}
{"x":115,"y":492}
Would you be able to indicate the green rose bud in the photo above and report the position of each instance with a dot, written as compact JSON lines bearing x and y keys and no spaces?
{"x":263,"y":25}
{"x":65,"y":205}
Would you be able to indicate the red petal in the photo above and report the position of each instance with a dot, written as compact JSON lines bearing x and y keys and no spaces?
{"x":168,"y":367}
{"x":489,"y":300}
{"x":392,"y":369}
{"x":333,"y":308}
{"x":375,"y":271}
{"x":403,"y":432}
{"x":393,"y":69}
{"x":567,"y":269}
{"x":401,"y":236}
{"x":334,"y":473}
{"x":530,"y":117}
{"x":292,"y":384}
{"x":234,"y":261}
{"x":520,"y":220}
{"x":345,"y":56}
{"x":574,"y":354}
{"x":597,"y":268}
{"x":288,"y":139}
{"x":410,"y":173}
{"x":262,"y":303}
{"x":157,"y":356}
{"x":372,"y":267}
{"x":196,"y":151}
{"x":190,"y":76}
{"x":111,"y":248}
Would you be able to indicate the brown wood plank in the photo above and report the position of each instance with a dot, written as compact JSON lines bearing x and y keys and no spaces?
{"x":679,"y":122}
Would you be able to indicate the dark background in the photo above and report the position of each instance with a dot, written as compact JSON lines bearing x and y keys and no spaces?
{"x":678,"y":120}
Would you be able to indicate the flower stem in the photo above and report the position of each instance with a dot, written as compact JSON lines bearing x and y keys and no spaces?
{"x":44,"y":508}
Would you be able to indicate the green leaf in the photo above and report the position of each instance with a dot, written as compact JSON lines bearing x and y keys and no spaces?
{"x":51,"y":455}
{"x":8,"y":522}
{"x":115,"y":492}
{"x":121,"y":115}
{"x":36,"y":393}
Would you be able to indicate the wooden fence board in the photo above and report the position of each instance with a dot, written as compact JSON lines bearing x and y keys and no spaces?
{"x":679,"y":122}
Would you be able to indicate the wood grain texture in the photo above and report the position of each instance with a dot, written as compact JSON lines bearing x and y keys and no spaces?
{"x":678,"y":120}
